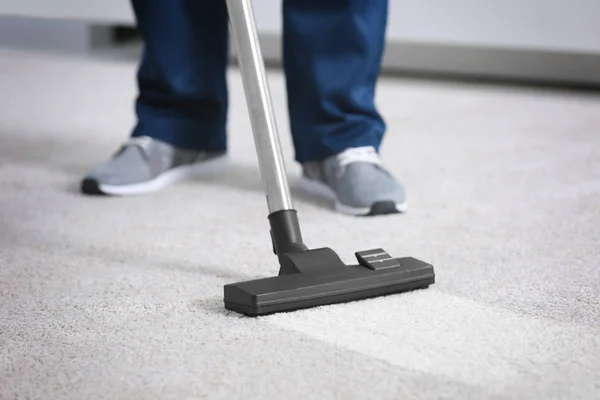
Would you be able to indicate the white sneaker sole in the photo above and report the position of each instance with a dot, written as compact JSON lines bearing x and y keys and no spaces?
{"x":316,"y":188}
{"x":172,"y":176}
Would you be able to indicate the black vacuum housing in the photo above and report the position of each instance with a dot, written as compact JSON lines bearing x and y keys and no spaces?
{"x":315,"y":277}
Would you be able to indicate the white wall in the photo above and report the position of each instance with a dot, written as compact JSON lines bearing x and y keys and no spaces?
{"x":562,"y":25}
{"x":555,"y":25}
{"x":554,"y":39}
{"x":549,"y":25}
{"x":545,"y":40}
{"x":111,"y":11}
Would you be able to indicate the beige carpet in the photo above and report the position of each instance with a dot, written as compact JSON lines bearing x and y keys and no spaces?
{"x":122,"y":298}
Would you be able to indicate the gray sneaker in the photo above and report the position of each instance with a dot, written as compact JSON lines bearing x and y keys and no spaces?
{"x":356,"y":181}
{"x":144,"y":165}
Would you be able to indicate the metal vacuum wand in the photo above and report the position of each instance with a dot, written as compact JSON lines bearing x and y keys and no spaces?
{"x":260,"y":107}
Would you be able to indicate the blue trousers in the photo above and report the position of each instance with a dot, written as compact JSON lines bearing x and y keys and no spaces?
{"x":332,"y":52}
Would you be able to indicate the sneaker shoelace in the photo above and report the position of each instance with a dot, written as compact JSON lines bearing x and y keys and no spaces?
{"x":365,"y":154}
{"x":142,"y":143}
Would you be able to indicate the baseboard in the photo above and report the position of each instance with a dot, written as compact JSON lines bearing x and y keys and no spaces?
{"x":51,"y":35}
{"x":474,"y":63}
{"x":529,"y":66}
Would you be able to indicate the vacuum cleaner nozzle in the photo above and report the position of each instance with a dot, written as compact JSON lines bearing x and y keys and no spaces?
{"x":310,"y":278}
{"x":319,"y":277}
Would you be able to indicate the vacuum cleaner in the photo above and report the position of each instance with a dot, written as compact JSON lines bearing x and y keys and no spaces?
{"x":307,"y":277}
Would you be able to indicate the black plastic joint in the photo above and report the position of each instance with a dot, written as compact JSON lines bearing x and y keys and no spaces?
{"x":285,"y":232}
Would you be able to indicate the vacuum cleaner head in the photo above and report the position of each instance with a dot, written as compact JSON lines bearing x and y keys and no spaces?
{"x":310,"y":278}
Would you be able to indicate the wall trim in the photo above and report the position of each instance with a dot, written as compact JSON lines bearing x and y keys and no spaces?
{"x":473,"y":63}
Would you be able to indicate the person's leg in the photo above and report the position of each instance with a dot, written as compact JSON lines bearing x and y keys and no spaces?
{"x":332,"y":56}
{"x":182,"y":103}
{"x":182,"y":83}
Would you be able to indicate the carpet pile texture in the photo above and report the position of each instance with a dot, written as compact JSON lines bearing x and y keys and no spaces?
{"x":121,"y":298}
